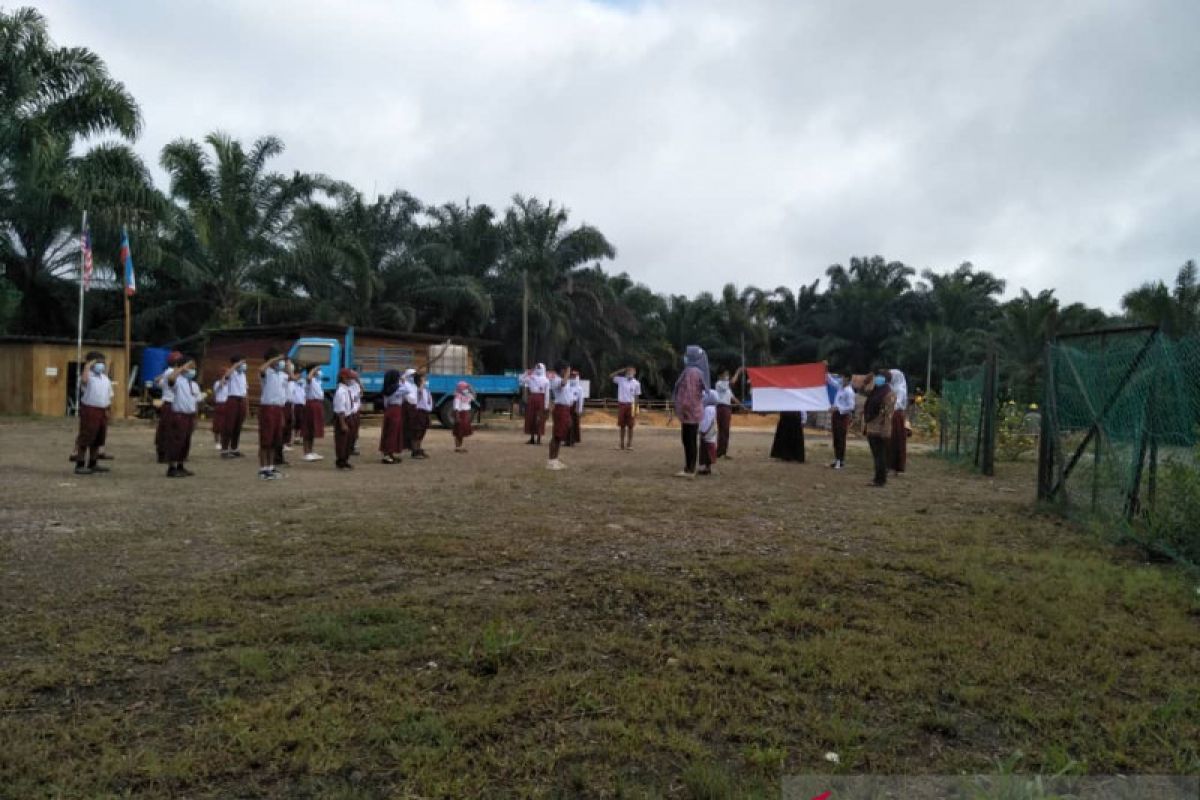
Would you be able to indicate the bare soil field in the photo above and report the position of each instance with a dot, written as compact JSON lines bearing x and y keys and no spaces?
{"x":474,"y":625}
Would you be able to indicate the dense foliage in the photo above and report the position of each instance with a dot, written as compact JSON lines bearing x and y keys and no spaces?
{"x":232,"y":242}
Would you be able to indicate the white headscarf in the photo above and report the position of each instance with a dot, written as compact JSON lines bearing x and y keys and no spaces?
{"x":900,"y":388}
{"x":408,"y":375}
{"x":540,"y":370}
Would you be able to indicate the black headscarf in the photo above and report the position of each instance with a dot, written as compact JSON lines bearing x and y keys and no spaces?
{"x":391,"y":382}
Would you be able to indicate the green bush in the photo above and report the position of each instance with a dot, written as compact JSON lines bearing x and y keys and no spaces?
{"x":1171,"y":525}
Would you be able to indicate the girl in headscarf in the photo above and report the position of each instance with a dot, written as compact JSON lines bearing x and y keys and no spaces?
{"x":537,"y":386}
{"x":788,"y":444}
{"x":877,"y":423}
{"x":464,"y":399}
{"x":688,"y":399}
{"x":391,"y":436}
{"x":314,"y":413}
{"x":898,"y":446}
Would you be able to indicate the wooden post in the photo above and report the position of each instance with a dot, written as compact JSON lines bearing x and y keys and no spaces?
{"x":1133,"y":503}
{"x":988,"y":401}
{"x":128,"y":358}
{"x":1045,"y":448}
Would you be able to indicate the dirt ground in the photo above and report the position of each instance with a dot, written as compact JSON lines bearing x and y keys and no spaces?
{"x":475,"y":625}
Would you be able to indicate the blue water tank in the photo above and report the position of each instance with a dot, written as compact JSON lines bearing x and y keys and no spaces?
{"x":154,"y":362}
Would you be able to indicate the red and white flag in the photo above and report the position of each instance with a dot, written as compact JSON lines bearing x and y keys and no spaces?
{"x":795,"y":387}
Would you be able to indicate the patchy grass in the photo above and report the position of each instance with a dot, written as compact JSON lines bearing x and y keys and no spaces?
{"x":476,"y":626}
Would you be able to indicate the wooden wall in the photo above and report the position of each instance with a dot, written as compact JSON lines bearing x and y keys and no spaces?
{"x":220,"y":349}
{"x":27,"y":388}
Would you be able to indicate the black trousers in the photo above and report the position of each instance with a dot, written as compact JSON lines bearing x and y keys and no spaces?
{"x":879,"y":452}
{"x":691,"y":444}
{"x":841,"y":426}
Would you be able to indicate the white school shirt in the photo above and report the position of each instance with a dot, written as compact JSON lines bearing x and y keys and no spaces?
{"x":274,"y":388}
{"x":237,"y":384}
{"x":343,"y":400}
{"x":411,"y":395}
{"x":168,"y":393}
{"x":424,"y":399}
{"x":313,"y":390}
{"x":397,"y":397}
{"x":296,"y":388}
{"x":355,"y":397}
{"x":186,"y":393}
{"x":220,"y":390}
{"x":578,"y":387}
{"x":628,"y":389}
{"x":97,"y":392}
{"x":564,"y":392}
{"x":724,"y":393}
{"x":844,"y":401}
{"x":462,"y":403}
{"x":708,"y":424}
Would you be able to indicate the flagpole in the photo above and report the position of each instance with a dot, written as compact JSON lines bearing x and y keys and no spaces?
{"x":128,"y":363}
{"x":79,"y":333}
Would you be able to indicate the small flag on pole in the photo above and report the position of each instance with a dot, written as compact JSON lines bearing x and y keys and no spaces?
{"x":127,"y":261}
{"x":85,"y":245}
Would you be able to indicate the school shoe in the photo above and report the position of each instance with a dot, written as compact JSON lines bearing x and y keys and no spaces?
{"x":287,"y":448}
{"x":839,"y":465}
{"x":269,"y":475}
{"x":237,"y":453}
{"x":185,"y":472}
{"x":80,"y":469}
{"x":173,"y":473}
{"x":97,"y":468}
{"x":313,"y":457}
{"x":217,"y":446}
{"x":227,"y":454}
{"x":555,"y":464}
{"x":683,"y":473}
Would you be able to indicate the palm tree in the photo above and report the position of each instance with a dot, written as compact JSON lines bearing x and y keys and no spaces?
{"x":51,"y":99}
{"x":228,"y":227}
{"x":1027,"y":323}
{"x":867,"y":308}
{"x":1176,"y":311}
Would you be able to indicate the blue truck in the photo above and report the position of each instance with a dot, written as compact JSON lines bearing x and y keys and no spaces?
{"x":372,"y":361}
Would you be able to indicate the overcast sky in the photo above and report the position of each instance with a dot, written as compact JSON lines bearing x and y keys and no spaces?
{"x":1054,"y":143}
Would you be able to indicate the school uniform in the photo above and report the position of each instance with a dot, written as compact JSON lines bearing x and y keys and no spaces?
{"x":271,"y":404}
{"x":709,"y":436}
{"x":724,"y":412}
{"x":183,"y":419}
{"x":236,"y":407}
{"x":314,"y":410}
{"x":421,"y":409}
{"x":576,"y":413}
{"x":564,"y":400}
{"x":356,"y":412}
{"x":298,"y":403}
{"x":462,"y":416}
{"x":220,"y":401}
{"x":843,"y":411}
{"x":538,"y":386}
{"x":391,"y":436}
{"x":164,"y":416}
{"x":344,"y":428}
{"x":94,"y":403}
{"x":628,"y":390}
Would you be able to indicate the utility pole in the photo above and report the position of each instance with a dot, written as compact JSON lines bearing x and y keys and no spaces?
{"x":929,"y":365}
{"x":525,"y":319}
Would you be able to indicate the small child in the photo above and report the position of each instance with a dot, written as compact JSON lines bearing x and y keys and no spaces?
{"x":464,"y":399}
{"x":274,"y":376}
{"x":356,"y":395}
{"x":709,"y":433}
{"x":343,"y":418}
{"x":164,"y":408}
{"x":314,"y":414}
{"x":220,"y":406}
{"x":182,"y":380}
{"x":391,"y":434}
{"x":576,"y":409}
{"x":564,"y":400}
{"x":420,"y":416}
{"x":94,"y":403}
{"x":237,"y":407}
{"x":299,"y":404}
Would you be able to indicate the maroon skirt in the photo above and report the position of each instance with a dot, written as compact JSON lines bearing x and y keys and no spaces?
{"x":535,"y":415}
{"x":218,"y":417}
{"x":562,"y":423}
{"x":462,"y":424}
{"x":314,"y":419}
{"x":391,"y":436}
{"x":179,"y":437}
{"x":92,"y":424}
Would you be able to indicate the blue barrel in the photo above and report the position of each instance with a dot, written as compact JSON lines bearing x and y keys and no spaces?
{"x":154,"y":363}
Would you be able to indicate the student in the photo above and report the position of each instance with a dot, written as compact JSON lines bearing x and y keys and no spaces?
{"x":274,"y":376}
{"x":237,"y":406}
{"x":877,"y":423}
{"x":95,"y":400}
{"x":356,"y":395}
{"x":537,"y":387}
{"x":628,"y":390}
{"x":220,"y":395}
{"x":411,"y":396}
{"x":725,"y":401}
{"x":391,"y":435}
{"x":164,"y":408}
{"x":898,"y":445}
{"x":842,"y":413}
{"x":421,"y":412}
{"x":688,"y":401}
{"x":299,"y":403}
{"x":563,"y":395}
{"x":788,"y":444}
{"x":576,"y":410}
{"x":464,"y":399}
{"x":186,"y":399}
{"x":314,"y":414}
{"x":343,"y":418}
{"x":709,"y":433}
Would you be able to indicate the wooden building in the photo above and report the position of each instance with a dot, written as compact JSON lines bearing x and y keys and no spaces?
{"x":38,"y":373}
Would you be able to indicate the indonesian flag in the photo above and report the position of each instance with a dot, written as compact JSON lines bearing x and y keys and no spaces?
{"x":796,"y":387}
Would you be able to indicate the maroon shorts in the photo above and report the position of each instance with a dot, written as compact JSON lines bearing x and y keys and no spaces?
{"x":562,"y":423}
{"x":314,"y":419}
{"x":625,"y":416}
{"x":218,"y":417}
{"x":92,"y":424}
{"x":462,"y":424}
{"x":270,"y":426}
{"x":179,"y":437}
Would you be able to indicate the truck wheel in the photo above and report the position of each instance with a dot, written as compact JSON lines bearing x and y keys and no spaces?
{"x":445,"y":413}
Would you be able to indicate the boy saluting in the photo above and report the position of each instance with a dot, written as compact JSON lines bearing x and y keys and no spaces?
{"x":94,"y":403}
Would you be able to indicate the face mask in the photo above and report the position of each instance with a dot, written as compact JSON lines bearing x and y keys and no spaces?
{"x":879,"y":380}
{"x":316,"y":376}
{"x":190,"y":374}
{"x":241,"y":369}
{"x":281,"y":365}
{"x":98,"y":369}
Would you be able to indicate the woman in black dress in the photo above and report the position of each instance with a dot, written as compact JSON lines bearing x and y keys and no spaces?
{"x":789,"y":437}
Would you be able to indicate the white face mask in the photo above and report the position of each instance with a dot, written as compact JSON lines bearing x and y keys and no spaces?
{"x":316,"y":375}
{"x":98,"y":369}
{"x":242,"y":368}
{"x":281,"y":365}
{"x":189,"y":374}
